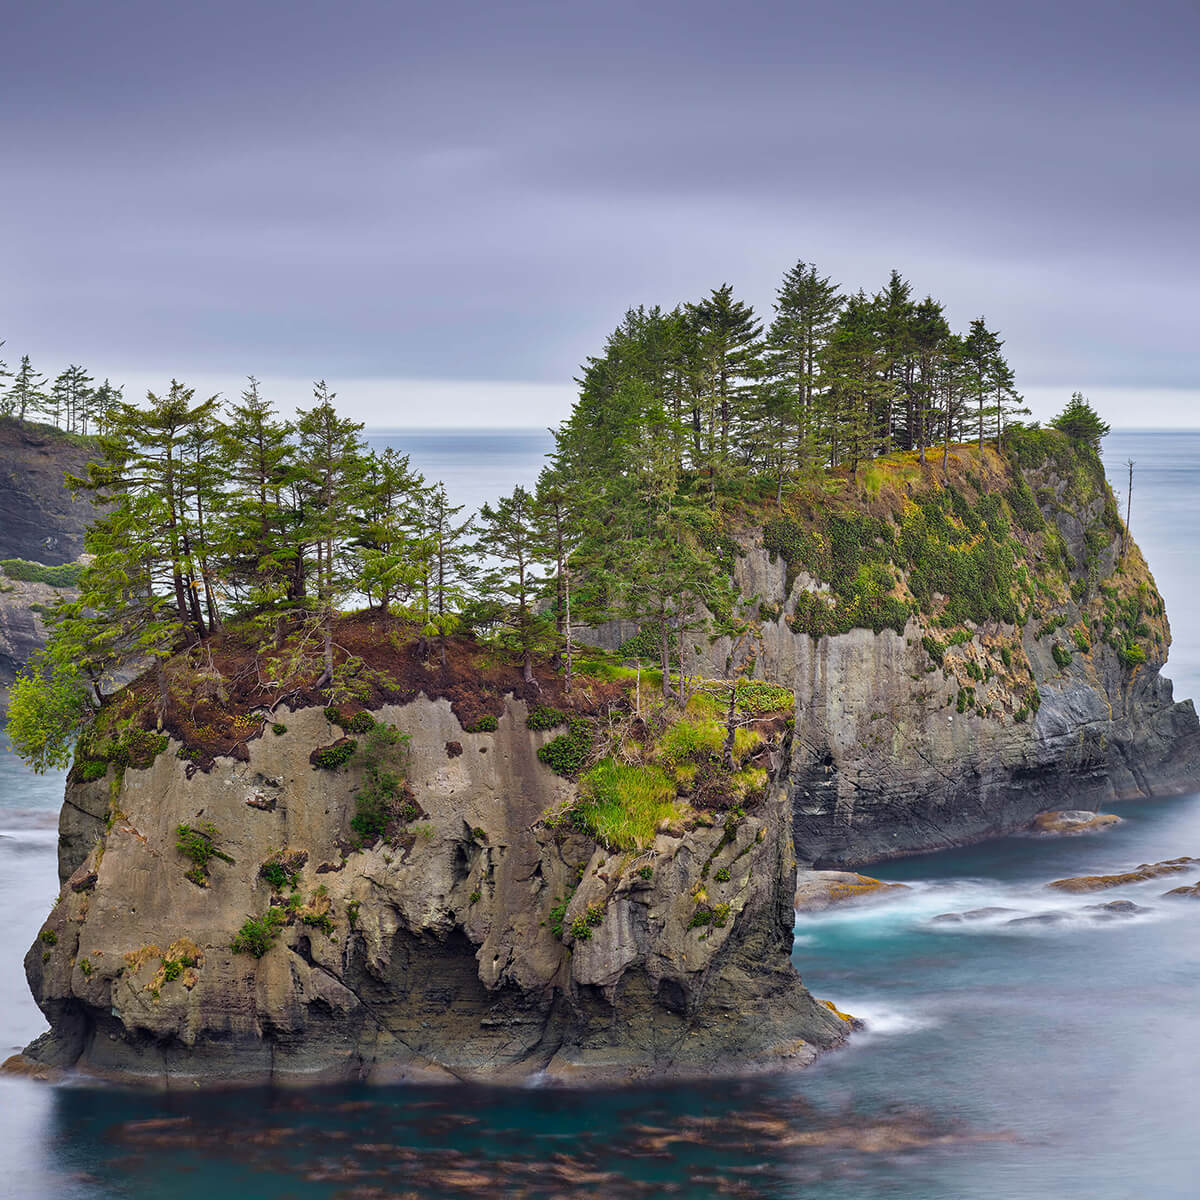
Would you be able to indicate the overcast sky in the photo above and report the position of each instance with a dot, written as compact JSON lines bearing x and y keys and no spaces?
{"x":442,"y":208}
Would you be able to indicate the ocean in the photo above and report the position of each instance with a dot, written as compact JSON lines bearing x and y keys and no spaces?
{"x":1012,"y":1062}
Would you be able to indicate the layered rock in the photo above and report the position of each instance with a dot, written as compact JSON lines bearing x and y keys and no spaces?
{"x":897,"y":751}
{"x":39,"y":518}
{"x":482,"y":943}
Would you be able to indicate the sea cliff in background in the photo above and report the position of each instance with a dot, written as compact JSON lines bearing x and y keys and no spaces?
{"x":41,"y":524}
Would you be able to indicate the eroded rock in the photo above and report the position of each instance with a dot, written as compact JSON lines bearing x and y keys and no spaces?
{"x":1072,"y":821}
{"x":481,"y":943}
{"x":1139,"y":874}
{"x":819,"y":890}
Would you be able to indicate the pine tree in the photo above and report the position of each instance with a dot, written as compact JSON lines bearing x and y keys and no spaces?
{"x":728,"y":336}
{"x":450,"y":563}
{"x":330,"y":462}
{"x":806,"y":309}
{"x":929,"y":332}
{"x":510,"y":535}
{"x":981,"y":350}
{"x":257,"y":540}
{"x":25,"y":398}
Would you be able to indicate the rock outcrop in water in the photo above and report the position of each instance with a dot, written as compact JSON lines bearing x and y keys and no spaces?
{"x":481,"y":942}
{"x":939,"y":730}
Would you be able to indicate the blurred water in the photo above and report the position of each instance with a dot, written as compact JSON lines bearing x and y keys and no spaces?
{"x":1003,"y":1061}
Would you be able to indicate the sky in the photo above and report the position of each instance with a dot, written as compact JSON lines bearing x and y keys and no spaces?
{"x":442,"y":209}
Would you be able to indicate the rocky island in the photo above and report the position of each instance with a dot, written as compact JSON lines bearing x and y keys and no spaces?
{"x":393,"y":794}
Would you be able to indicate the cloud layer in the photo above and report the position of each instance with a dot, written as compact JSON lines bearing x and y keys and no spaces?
{"x":469,"y":194}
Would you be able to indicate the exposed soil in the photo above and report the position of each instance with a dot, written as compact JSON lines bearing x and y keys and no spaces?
{"x":225,"y":691}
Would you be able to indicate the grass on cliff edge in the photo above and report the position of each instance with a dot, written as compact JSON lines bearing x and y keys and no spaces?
{"x":621,"y":805}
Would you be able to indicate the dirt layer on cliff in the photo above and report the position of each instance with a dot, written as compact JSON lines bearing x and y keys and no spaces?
{"x":237,"y":685}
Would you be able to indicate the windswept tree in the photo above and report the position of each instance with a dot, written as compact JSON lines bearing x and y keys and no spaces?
{"x":1080,"y":422}
{"x":25,"y":398}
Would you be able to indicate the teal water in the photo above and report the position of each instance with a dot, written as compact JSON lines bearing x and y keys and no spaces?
{"x":1001,"y":1061}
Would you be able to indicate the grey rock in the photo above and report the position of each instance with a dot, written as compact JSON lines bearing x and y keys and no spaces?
{"x":450,"y":967}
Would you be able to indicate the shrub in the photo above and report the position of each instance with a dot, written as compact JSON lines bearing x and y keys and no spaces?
{"x":282,"y":869}
{"x":49,"y":937}
{"x":568,"y":753}
{"x":486,"y":724}
{"x":580,"y":930}
{"x":361,"y":722}
{"x":63,"y":576}
{"x":329,"y":758}
{"x":646,"y":872}
{"x":279,"y":729}
{"x":1132,"y":655}
{"x":256,"y":935}
{"x":382,"y":788}
{"x":722,"y":875}
{"x":90,"y":771}
{"x":1061,"y":655}
{"x":199,"y":843}
{"x":544,"y":717}
{"x":172,"y":969}
{"x":1082,"y":642}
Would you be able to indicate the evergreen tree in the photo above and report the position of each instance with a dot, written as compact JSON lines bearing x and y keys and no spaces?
{"x":330,"y":462}
{"x":449,"y":562}
{"x":728,"y":336}
{"x":981,"y":350}
{"x":806,"y":309}
{"x":510,"y":535}
{"x":258,"y":529}
{"x":25,"y":398}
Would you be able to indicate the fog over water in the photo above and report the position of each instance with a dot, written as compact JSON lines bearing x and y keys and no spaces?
{"x":1002,"y":1061}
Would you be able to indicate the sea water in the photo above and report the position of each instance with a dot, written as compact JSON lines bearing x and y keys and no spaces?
{"x":999,"y":1060}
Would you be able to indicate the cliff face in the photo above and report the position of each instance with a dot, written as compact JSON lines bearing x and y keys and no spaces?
{"x":22,"y":629}
{"x":447,"y":952}
{"x":39,"y":518}
{"x":949,"y":731}
{"x":41,"y":522}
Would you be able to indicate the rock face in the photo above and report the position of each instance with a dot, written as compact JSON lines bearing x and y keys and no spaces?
{"x":39,"y":521}
{"x":447,"y":954}
{"x":39,"y":518}
{"x":22,"y":628}
{"x":1072,"y":821}
{"x":888,"y":759}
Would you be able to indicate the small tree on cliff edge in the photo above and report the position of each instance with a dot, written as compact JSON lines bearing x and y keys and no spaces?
{"x":1081,"y":422}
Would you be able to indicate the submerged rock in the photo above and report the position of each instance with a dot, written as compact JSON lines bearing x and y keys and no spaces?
{"x":1139,"y":874}
{"x":1187,"y":892}
{"x":973,"y":914}
{"x":1073,"y":820}
{"x":1046,"y":918}
{"x":819,"y":890}
{"x":1116,"y":908}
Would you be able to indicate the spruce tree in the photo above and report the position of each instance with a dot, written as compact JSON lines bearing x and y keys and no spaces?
{"x":25,"y":398}
{"x":806,"y":308}
{"x":510,"y":536}
{"x":330,"y":462}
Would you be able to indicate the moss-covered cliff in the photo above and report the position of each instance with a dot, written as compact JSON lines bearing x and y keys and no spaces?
{"x":966,"y":646}
{"x":403,"y":893}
